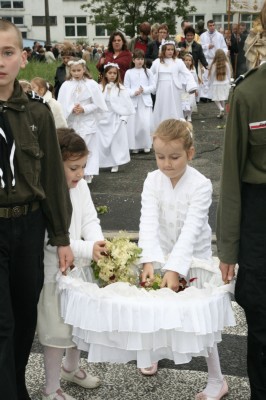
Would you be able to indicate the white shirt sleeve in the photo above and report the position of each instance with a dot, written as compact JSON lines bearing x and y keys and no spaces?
{"x":180,"y":257}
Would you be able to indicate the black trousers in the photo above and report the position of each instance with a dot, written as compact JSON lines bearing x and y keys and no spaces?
{"x":250,"y":290}
{"x":21,"y":280}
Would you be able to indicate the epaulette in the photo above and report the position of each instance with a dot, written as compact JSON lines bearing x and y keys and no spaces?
{"x":240,"y":78}
{"x":34,"y":96}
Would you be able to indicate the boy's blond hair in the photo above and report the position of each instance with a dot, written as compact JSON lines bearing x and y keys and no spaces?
{"x":173,"y":129}
{"x":6,"y":25}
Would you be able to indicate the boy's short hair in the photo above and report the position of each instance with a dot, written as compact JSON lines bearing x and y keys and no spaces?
{"x":6,"y":25}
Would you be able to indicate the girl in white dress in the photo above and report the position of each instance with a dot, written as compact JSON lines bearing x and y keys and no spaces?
{"x":86,"y":240}
{"x":140,"y":83}
{"x":45,"y":90}
{"x":189,"y":104}
{"x":219,"y":80}
{"x":81,"y":99}
{"x":112,"y":127}
{"x":170,"y":73}
{"x":174,"y":231}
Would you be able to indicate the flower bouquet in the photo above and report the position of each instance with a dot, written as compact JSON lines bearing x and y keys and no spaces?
{"x":119,"y":264}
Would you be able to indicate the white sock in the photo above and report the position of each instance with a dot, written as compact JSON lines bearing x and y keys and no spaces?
{"x":215,"y":376}
{"x":52,"y":365}
{"x":218,"y":104}
{"x":71,"y":361}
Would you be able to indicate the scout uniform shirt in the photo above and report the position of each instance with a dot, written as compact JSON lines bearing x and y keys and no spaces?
{"x":244,"y":158}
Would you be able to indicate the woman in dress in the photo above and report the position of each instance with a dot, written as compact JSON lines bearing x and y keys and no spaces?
{"x":118,"y":53}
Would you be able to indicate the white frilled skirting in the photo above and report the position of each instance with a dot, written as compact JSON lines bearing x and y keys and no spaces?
{"x":120,"y":323}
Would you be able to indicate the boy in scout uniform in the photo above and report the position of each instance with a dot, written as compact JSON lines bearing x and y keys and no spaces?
{"x":241,"y":218}
{"x":33,"y":196}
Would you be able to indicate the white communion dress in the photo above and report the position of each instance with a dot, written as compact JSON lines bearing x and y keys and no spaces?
{"x":169,"y":77}
{"x":139,"y":126}
{"x":85,"y":92}
{"x":112,"y":129}
{"x":120,"y":322}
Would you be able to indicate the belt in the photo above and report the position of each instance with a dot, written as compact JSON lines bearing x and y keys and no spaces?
{"x":18,"y":211}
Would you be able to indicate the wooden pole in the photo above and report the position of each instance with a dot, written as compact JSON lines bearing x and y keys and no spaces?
{"x":47,"y":22}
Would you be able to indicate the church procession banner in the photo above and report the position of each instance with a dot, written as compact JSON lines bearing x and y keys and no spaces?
{"x":245,"y":6}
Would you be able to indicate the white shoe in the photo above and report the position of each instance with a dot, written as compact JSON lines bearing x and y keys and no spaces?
{"x":114,"y":169}
{"x":87,"y":381}
{"x":88,"y":178}
{"x":147,"y":150}
{"x":135,"y":151}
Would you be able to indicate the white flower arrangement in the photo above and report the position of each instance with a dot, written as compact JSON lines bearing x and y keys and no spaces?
{"x":119,"y":264}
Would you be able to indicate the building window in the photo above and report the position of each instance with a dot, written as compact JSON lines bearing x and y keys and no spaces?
{"x":40,"y":21}
{"x":76,"y":27}
{"x":193,"y":19}
{"x":15,"y":20}
{"x":248,"y":19}
{"x":11,"y":4}
{"x":100,"y":30}
{"x":221,"y":20}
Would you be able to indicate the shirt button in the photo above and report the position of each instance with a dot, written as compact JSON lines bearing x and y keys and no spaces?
{"x":22,"y":107}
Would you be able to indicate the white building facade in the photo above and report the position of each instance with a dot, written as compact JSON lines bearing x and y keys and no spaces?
{"x":69,"y":22}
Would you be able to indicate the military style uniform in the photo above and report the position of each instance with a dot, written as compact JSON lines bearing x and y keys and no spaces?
{"x":241,"y":217}
{"x":33,"y":196}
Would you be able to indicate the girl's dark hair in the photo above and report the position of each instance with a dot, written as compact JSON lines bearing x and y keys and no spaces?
{"x":72,"y":145}
{"x":111,"y":39}
{"x":138,"y":53}
{"x":104,"y":80}
{"x":86,"y":73}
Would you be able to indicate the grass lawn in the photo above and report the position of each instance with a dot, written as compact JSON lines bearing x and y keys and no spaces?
{"x":47,"y":71}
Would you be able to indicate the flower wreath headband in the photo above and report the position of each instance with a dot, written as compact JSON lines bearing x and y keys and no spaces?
{"x":171,"y":42}
{"x":109,"y":64}
{"x":81,"y":61}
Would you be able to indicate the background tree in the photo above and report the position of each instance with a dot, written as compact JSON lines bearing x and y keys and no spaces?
{"x":127,"y":14}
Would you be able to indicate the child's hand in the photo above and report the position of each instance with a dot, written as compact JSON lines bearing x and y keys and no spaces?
{"x":78,"y":109}
{"x":98,"y":250}
{"x":171,"y":280}
{"x":147,"y":272}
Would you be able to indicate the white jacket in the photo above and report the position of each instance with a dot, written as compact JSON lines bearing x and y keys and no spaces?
{"x":179,"y":72}
{"x":136,"y":77}
{"x":174,"y":221}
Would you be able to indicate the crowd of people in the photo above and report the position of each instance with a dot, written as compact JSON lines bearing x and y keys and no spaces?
{"x":46,"y":205}
{"x":142,"y":82}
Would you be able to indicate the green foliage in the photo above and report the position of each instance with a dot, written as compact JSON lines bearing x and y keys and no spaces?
{"x":127,"y":14}
{"x":47,"y":71}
